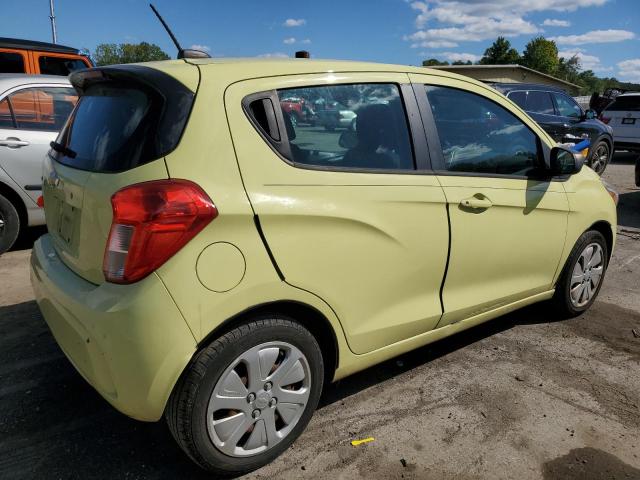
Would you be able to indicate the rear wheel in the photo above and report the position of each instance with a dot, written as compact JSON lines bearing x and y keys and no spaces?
{"x":599,"y":157}
{"x":9,"y":224}
{"x":583,"y":274}
{"x":246,"y":397}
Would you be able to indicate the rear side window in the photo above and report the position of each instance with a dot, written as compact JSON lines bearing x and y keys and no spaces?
{"x":59,"y":65}
{"x":357,"y":126}
{"x":479,"y":136}
{"x":621,"y":104}
{"x":42,"y":108}
{"x":533,"y":101}
{"x":11,"y":62}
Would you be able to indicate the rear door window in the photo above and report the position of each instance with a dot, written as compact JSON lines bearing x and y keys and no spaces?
{"x":59,"y":65}
{"x":357,"y":126}
{"x":533,"y":101}
{"x":42,"y":108}
{"x":11,"y":62}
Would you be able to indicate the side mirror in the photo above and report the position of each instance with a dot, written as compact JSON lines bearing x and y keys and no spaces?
{"x":590,"y":114}
{"x":565,"y":162}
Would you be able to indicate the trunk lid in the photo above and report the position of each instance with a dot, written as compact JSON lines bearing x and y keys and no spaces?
{"x":126,"y":120}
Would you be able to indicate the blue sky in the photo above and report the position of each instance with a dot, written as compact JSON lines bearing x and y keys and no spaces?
{"x":605,"y":34}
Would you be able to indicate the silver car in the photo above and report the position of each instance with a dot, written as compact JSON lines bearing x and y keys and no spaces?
{"x":33,"y":109}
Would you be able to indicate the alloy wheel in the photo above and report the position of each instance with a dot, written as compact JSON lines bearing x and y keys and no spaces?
{"x":258,"y":399}
{"x":600,"y":158}
{"x":587,"y":274}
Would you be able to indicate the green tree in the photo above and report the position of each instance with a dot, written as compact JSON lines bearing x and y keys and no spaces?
{"x":110,"y":53}
{"x":542,"y":55}
{"x":500,"y":53}
{"x":460,"y":62}
{"x":569,"y":69}
{"x":433,"y":62}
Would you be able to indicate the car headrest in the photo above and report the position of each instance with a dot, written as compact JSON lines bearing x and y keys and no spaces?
{"x":373,"y":125}
{"x":291,"y":132}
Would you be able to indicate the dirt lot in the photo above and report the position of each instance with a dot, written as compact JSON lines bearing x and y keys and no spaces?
{"x":526,"y":396}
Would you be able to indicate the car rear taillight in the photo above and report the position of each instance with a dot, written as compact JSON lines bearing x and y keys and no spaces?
{"x":604,"y":119}
{"x":151,"y":222}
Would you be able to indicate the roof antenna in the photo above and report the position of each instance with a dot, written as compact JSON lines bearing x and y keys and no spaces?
{"x":182,"y":52}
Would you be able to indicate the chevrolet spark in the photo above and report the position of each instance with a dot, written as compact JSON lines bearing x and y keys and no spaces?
{"x":210,"y":261}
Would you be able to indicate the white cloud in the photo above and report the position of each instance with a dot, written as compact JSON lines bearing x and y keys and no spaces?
{"x":629,"y":70}
{"x":594,"y":36}
{"x":289,"y":41}
{"x":203,"y":48}
{"x":435,"y":44}
{"x":552,"y":22}
{"x":587,"y":62}
{"x":306,"y":41}
{"x":459,"y":57}
{"x":294,"y":22}
{"x":476,"y":20}
{"x":273,"y":55}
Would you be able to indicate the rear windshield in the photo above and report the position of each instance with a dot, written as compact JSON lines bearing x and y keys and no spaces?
{"x":630,"y":103}
{"x":117,"y":126}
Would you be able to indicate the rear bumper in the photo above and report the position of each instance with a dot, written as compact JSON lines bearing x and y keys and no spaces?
{"x":130,"y":342}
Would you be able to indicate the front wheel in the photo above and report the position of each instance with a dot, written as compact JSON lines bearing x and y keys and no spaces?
{"x":599,"y":157}
{"x":583,"y":274}
{"x":247,"y":396}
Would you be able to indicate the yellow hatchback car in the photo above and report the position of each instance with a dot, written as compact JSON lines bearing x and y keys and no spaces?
{"x":214,"y":260}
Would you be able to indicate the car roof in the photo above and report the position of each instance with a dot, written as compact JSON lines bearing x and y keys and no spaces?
{"x":10,"y":80}
{"x":21,"y":44}
{"x":629,"y":94}
{"x":510,"y":87}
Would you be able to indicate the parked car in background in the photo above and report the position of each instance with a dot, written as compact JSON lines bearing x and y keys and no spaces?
{"x":599,"y":102}
{"x":335,"y":115}
{"x":33,"y":109}
{"x":563,"y":119}
{"x":298,"y":109}
{"x":209,"y":262}
{"x":623,"y":116}
{"x":40,"y":58}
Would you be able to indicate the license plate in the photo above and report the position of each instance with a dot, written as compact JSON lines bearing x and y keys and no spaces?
{"x":628,"y":121}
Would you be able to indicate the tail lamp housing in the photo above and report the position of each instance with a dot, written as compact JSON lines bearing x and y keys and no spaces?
{"x":151,"y":222}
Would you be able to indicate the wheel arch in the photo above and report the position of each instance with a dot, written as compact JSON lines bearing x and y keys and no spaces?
{"x":310,"y":317}
{"x":605,"y":229}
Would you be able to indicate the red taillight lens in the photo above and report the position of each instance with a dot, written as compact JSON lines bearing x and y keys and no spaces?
{"x":604,"y":119}
{"x":40,"y":201}
{"x":151,"y":222}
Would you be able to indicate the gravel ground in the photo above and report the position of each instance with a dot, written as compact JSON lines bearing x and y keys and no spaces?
{"x":525,"y":396}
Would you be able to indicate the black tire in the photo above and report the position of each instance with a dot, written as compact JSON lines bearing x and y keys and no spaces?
{"x":9,"y":224}
{"x":186,"y":411}
{"x":600,"y":156}
{"x":562,"y":297}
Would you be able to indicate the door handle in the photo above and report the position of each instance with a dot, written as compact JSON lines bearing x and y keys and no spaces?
{"x":475,"y":202}
{"x":13,"y":142}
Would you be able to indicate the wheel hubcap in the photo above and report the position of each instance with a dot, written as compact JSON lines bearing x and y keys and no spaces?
{"x":258,"y":399}
{"x":587,"y":274}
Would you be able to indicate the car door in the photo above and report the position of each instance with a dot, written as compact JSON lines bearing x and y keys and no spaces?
{"x":37,"y":114}
{"x":343,"y":210}
{"x":508,"y":225}
{"x":571,"y":116}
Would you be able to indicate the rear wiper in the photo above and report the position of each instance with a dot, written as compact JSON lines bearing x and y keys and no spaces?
{"x":67,"y":152}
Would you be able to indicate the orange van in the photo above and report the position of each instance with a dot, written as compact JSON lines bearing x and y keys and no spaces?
{"x":29,"y":56}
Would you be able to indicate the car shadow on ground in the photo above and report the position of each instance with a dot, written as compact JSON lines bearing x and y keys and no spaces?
{"x":27,"y":238}
{"x":629,"y":210}
{"x":53,"y":424}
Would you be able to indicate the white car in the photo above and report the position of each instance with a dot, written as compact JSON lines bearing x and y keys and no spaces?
{"x":33,"y":109}
{"x":623,"y":115}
